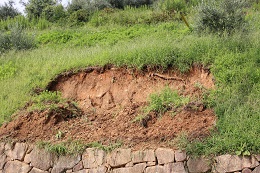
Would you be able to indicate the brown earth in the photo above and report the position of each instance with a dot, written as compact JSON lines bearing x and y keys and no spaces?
{"x":109,"y":99}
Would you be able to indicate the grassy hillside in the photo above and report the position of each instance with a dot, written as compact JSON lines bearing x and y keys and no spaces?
{"x":234,"y":60}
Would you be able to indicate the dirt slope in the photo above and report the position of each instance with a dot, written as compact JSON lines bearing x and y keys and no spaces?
{"x":110,"y":98}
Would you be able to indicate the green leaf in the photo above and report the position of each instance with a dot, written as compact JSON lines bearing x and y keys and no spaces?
{"x":238,"y":153}
{"x":246,"y":153}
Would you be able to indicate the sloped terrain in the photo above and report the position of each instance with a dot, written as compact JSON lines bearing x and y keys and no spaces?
{"x":110,"y":99}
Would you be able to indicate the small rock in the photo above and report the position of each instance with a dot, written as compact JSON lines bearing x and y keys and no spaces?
{"x":16,"y":166}
{"x":164,"y":155}
{"x":119,"y":157}
{"x":155,"y":169}
{"x":180,"y":156}
{"x":246,"y":170}
{"x":198,"y":165}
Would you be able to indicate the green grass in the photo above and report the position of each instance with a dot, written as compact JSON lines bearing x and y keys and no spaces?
{"x":234,"y":62}
{"x":71,"y":147}
{"x":63,"y":148}
{"x":159,"y":103}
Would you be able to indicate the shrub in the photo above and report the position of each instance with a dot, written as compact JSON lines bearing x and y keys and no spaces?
{"x":5,"y":42}
{"x":16,"y":39}
{"x":221,"y":16}
{"x":79,"y":16}
{"x":20,"y":40}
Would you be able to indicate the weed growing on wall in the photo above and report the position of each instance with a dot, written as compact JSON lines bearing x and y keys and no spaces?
{"x":63,"y":148}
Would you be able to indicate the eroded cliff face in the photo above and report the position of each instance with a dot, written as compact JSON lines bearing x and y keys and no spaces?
{"x":110,"y":99}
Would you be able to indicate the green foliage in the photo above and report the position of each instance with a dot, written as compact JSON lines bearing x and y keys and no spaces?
{"x":221,"y":16}
{"x":165,"y":100}
{"x":48,"y":96}
{"x":59,"y":134}
{"x":8,"y":11}
{"x":37,"y":8}
{"x":181,"y":141}
{"x":172,"y":5}
{"x":121,"y":4}
{"x":24,"y":23}
{"x":20,"y":40}
{"x":47,"y":100}
{"x":81,"y":10}
{"x":79,"y":16}
{"x":16,"y":39}
{"x":71,"y":147}
{"x":5,"y":42}
{"x":54,"y":13}
{"x":64,"y":148}
{"x":129,"y":16}
{"x":89,"y":38}
{"x":159,"y":103}
{"x":7,"y":70}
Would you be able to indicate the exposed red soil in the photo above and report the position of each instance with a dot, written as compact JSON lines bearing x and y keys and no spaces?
{"x":109,"y":99}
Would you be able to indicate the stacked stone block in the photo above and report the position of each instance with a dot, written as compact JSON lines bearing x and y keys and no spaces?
{"x":24,"y":158}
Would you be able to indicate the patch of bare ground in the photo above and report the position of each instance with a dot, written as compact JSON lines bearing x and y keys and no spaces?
{"x":110,"y":98}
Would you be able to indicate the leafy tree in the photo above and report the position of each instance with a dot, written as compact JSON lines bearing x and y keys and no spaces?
{"x":54,"y":13}
{"x":88,"y":5}
{"x":81,"y":10}
{"x":37,"y":8}
{"x":8,"y":11}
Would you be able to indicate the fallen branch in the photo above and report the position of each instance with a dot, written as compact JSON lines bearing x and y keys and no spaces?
{"x":166,"y":77}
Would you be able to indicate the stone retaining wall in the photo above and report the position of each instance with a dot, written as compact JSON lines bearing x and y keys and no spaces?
{"x":23,"y":158}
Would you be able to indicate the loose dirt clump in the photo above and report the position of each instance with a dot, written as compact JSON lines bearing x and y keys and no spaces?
{"x":110,"y":99}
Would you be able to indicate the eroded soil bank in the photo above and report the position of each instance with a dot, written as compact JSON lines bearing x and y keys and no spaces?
{"x":110,"y":99}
